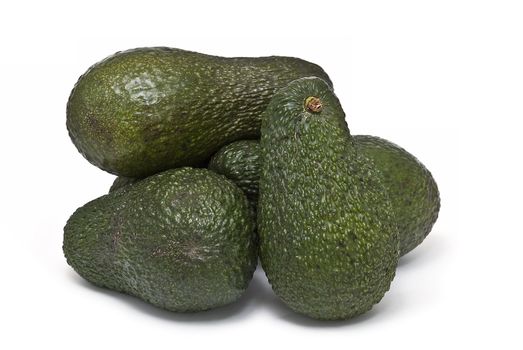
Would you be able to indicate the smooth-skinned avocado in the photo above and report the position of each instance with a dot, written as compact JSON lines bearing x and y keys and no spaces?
{"x":181,"y":240}
{"x":145,"y":110}
{"x":328,"y":242}
{"x":412,"y":190}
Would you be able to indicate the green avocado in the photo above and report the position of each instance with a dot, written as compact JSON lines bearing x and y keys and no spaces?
{"x":142,"y":111}
{"x":328,"y":241}
{"x":412,"y":190}
{"x":181,"y":240}
{"x":240,"y":162}
{"x":122,"y":181}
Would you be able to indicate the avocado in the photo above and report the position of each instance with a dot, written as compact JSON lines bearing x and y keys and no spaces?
{"x":328,"y":242}
{"x":145,"y":110}
{"x":181,"y":240}
{"x":412,"y":190}
{"x":240,"y":162}
{"x":122,"y":181}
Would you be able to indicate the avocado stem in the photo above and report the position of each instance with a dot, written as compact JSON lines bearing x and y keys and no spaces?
{"x":313,"y":104}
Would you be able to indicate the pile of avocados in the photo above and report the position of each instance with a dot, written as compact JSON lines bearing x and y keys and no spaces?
{"x":222,"y":162}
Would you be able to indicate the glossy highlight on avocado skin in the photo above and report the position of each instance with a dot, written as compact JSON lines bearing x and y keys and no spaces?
{"x":145,"y":110}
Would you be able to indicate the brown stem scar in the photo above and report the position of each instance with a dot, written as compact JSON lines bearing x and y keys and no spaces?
{"x":313,"y":104}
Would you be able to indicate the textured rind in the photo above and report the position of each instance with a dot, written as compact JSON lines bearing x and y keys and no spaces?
{"x":145,"y":110}
{"x":181,"y":240}
{"x":412,"y":189}
{"x":122,"y":181}
{"x":240,"y":162}
{"x":328,"y":241}
{"x":413,"y":192}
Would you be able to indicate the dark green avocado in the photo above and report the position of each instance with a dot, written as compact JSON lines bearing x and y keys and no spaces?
{"x":181,"y":240}
{"x":328,"y":241}
{"x":240,"y":162}
{"x":412,"y":190}
{"x":122,"y":181}
{"x":142,"y":111}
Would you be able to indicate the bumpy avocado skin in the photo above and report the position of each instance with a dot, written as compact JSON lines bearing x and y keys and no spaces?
{"x":240,"y":162}
{"x":181,"y":240}
{"x":328,"y":242}
{"x":122,"y":181}
{"x":412,"y":189}
{"x":145,"y":110}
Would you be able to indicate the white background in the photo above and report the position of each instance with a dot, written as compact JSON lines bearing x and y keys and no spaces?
{"x":443,"y":79}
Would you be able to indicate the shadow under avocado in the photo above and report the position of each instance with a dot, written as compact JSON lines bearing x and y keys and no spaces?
{"x":259,"y":295}
{"x":431,"y":249}
{"x":238,"y":308}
